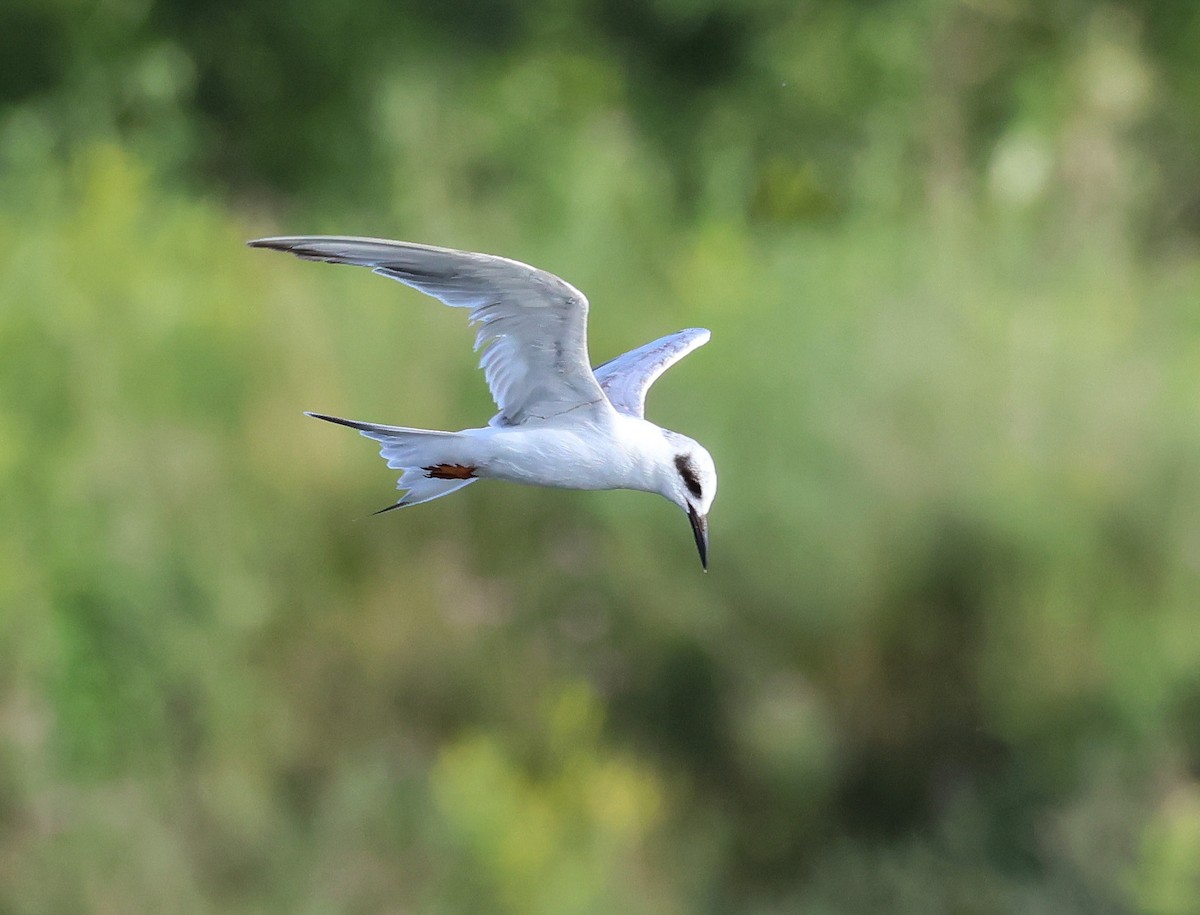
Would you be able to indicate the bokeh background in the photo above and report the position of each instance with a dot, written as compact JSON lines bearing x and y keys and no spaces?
{"x":947,"y":658}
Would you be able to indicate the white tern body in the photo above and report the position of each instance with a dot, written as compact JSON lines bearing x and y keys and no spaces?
{"x":561,"y":423}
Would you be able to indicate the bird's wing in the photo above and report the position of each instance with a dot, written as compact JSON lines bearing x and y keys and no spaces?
{"x":533,"y":325}
{"x":627,"y":378}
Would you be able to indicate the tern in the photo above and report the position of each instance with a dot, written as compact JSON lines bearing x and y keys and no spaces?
{"x":561,"y":423}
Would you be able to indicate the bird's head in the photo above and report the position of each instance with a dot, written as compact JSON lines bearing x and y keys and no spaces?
{"x":691,"y":483}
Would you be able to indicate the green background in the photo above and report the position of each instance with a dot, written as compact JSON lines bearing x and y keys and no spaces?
{"x":947,"y":658}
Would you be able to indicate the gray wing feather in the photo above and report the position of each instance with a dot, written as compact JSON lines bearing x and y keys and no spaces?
{"x":532,"y":324}
{"x":626,"y":379}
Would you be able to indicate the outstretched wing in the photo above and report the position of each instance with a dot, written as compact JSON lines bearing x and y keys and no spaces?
{"x":533,"y":325}
{"x":627,"y":378}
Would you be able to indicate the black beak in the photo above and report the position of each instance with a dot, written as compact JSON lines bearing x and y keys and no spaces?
{"x":700,"y":529}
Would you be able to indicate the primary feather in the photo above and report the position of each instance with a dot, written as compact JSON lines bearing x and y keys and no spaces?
{"x":626,"y":379}
{"x":533,"y":325}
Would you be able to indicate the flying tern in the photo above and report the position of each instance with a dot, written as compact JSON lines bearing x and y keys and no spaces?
{"x":561,"y":423}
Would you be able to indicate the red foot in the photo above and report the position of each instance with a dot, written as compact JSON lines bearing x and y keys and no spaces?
{"x":449,"y":472}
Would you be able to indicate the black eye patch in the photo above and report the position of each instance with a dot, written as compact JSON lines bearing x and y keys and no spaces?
{"x":688,"y":472}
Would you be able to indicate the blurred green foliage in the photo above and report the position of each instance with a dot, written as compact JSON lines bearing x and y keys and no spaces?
{"x":948,"y":656}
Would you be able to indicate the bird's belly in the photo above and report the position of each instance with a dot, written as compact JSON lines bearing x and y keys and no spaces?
{"x":557,"y":458}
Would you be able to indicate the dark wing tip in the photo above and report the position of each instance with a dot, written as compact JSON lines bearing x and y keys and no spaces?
{"x":296,"y":246}
{"x":324,"y":249}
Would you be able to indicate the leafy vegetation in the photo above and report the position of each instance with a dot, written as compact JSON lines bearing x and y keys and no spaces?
{"x":947,"y":658}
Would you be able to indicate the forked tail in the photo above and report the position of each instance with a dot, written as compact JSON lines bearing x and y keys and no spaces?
{"x":424,"y":455}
